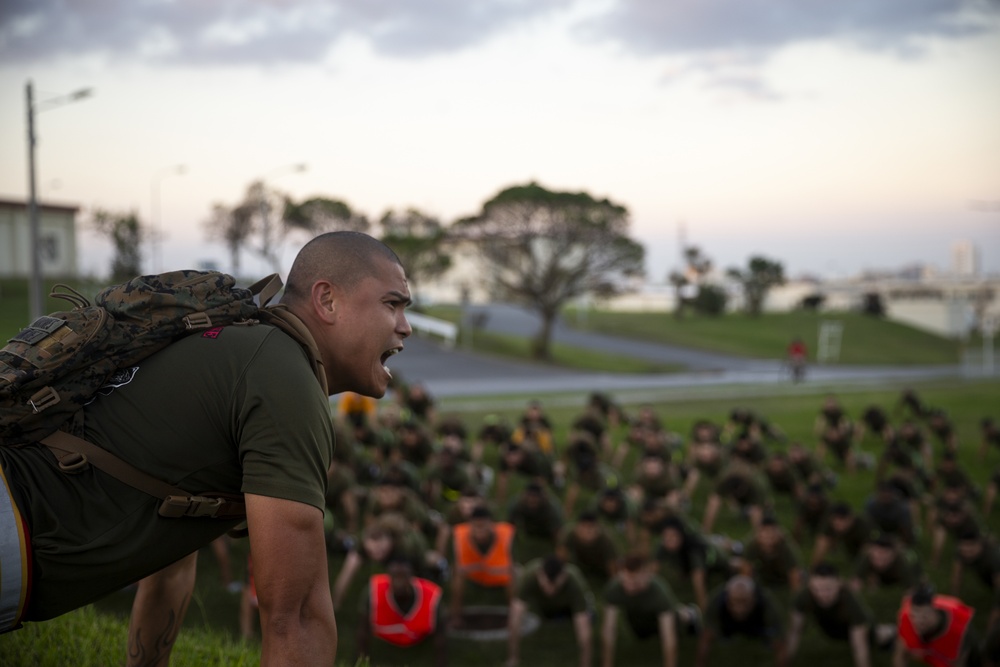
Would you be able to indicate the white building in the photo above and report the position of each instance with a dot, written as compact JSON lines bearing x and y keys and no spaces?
{"x":57,"y":239}
{"x":964,"y":259}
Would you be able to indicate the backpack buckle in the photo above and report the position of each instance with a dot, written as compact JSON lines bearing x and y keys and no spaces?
{"x":174,"y":507}
{"x":43,"y":398}
{"x":198,"y":320}
{"x":73,"y":463}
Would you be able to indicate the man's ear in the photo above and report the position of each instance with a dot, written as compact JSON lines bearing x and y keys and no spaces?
{"x":324,"y":300}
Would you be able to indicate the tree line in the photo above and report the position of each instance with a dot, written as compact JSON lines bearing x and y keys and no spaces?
{"x":541,"y":248}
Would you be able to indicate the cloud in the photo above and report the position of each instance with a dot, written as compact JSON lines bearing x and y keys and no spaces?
{"x":250,"y":32}
{"x":706,"y":26}
{"x":727,"y":43}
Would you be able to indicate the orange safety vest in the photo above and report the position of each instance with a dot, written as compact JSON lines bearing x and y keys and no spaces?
{"x":392,"y":625}
{"x":492,"y":568}
{"x":351,"y":402}
{"x":941,"y":651}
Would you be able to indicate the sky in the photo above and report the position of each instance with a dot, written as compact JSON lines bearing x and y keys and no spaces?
{"x":835,"y":137}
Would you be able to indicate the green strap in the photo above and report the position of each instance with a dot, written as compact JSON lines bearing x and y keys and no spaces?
{"x":75,"y":453}
{"x":265,"y":289}
{"x":282,"y":318}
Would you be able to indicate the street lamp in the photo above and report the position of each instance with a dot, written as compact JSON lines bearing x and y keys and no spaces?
{"x":264,"y":217}
{"x":35,"y":286}
{"x":156,"y":245}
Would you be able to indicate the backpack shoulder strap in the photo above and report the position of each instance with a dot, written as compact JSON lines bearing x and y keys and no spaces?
{"x":282,"y":318}
{"x":265,"y":289}
{"x":74,"y":453}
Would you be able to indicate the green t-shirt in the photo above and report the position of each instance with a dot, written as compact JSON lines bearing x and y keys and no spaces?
{"x":904,"y":571}
{"x":642,"y":610}
{"x":697,"y":553}
{"x":986,"y":566}
{"x":573,"y":596}
{"x":544,"y":520}
{"x":236,"y":411}
{"x":772,"y":569}
{"x":590,"y":557}
{"x":762,"y":622}
{"x":847,"y":611}
{"x":857,"y":535}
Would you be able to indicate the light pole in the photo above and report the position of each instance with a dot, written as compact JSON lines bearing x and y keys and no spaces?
{"x":35,"y":285}
{"x":265,"y":218}
{"x":156,"y":245}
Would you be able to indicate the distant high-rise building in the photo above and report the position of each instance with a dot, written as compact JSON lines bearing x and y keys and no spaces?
{"x":964,"y":259}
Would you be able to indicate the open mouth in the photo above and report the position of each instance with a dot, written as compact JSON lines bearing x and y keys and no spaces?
{"x":385,"y":357}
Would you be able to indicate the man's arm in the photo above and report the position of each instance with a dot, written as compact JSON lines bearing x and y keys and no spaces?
{"x":899,"y":654}
{"x":994,"y":617}
{"x":668,"y":638}
{"x":956,"y":576}
{"x":937,"y":544}
{"x":457,"y":592}
{"x":352,"y":563}
{"x":795,"y":633}
{"x":293,"y":586}
{"x":859,"y":645}
{"x":795,"y":578}
{"x":157,"y":613}
{"x":514,"y":618}
{"x":364,"y":630}
{"x":700,"y":590}
{"x":609,"y":632}
{"x":780,"y":652}
{"x":440,"y":637}
{"x":711,"y":509}
{"x":581,"y":627}
{"x":823,"y":544}
{"x":704,"y":643}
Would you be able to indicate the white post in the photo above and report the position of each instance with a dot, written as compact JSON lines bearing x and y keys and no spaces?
{"x":35,"y":287}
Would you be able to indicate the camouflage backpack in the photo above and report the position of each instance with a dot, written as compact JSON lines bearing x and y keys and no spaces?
{"x":55,"y":366}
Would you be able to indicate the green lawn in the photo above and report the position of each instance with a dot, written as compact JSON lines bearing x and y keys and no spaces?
{"x":92,"y":639}
{"x":866,"y":340}
{"x":14,"y":302}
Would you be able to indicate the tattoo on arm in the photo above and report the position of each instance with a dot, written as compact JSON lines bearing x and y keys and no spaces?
{"x":155,"y":652}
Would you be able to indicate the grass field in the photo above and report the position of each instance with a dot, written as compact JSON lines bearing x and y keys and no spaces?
{"x":211,"y":624}
{"x":866,"y":340}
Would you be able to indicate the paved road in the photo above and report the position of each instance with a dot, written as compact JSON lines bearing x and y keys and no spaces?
{"x":518,"y":321}
{"x":459,"y":373}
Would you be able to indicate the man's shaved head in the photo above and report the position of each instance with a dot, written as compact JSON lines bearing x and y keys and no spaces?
{"x":740,"y":585}
{"x":343,"y":258}
{"x":740,"y":593}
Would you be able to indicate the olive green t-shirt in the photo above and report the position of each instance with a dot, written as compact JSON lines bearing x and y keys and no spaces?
{"x":904,"y":571}
{"x":847,"y":611}
{"x":642,"y":610}
{"x":234,"y":409}
{"x":591,"y":557}
{"x":572,"y":597}
{"x":772,"y":569}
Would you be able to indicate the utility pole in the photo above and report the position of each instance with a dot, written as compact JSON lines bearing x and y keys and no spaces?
{"x":35,"y":283}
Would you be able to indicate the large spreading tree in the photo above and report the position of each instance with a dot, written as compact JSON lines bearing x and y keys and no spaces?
{"x":418,"y":239}
{"x":265,"y":218}
{"x":543,"y":248}
{"x":127,"y":235}
{"x":757,"y":280}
